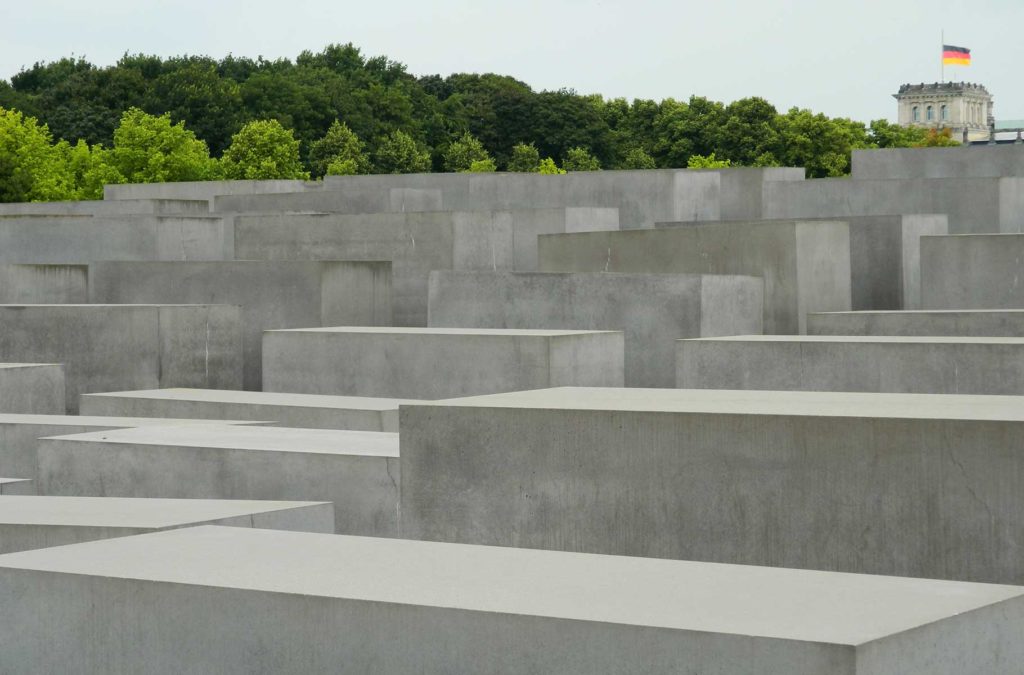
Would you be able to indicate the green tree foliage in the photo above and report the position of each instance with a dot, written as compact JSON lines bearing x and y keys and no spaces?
{"x":338,"y":153}
{"x":152,"y":149}
{"x":884,"y":134}
{"x":637,"y":158}
{"x":580,"y":159}
{"x":263,"y":150}
{"x":399,"y":153}
{"x":547,"y":166}
{"x":524,"y":159}
{"x":31,"y":167}
{"x":464,"y":153}
{"x":708,"y":162}
{"x":937,"y":138}
{"x":482,"y":166}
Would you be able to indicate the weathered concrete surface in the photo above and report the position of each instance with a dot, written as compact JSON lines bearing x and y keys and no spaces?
{"x":906,"y":484}
{"x":271,"y":294}
{"x":309,"y":411}
{"x":805,"y":264}
{"x":238,"y":600}
{"x":118,"y":347}
{"x":652,"y":309}
{"x":973,"y":205}
{"x":433,"y":363}
{"x":981,"y":161}
{"x":885,"y":258}
{"x":925,"y":365}
{"x":131,"y":207}
{"x":33,"y":388}
{"x":17,"y":486}
{"x":355,"y":470}
{"x":44,"y":284}
{"x":968,"y":323}
{"x":973,"y":272}
{"x":19,"y":435}
{"x":29,"y":522}
{"x":82,"y":239}
{"x":416,"y":243}
{"x":202,"y":190}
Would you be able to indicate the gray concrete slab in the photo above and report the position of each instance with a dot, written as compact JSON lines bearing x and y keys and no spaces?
{"x":239,"y":600}
{"x":80,"y":239}
{"x":117,"y":347}
{"x":805,"y":264}
{"x":19,"y":434}
{"x":972,"y":272}
{"x":129,"y":207}
{"x":31,"y":522}
{"x":271,"y":294}
{"x":871,"y":363}
{"x":33,"y":388}
{"x":973,"y":205}
{"x":885,"y":258}
{"x":310,"y":411}
{"x":971,"y":323}
{"x":355,"y":470}
{"x":17,"y":486}
{"x":416,"y":242}
{"x":976,"y":161}
{"x":205,"y":190}
{"x":44,"y":284}
{"x":652,"y":309}
{"x":433,"y":363}
{"x":906,"y":484}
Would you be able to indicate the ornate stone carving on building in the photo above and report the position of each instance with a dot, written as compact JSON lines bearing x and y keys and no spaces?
{"x":960,"y":106}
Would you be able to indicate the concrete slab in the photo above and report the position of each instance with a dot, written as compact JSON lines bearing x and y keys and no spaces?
{"x":907,"y":484}
{"x":30,"y":522}
{"x":885,"y":258}
{"x":44,"y":284}
{"x":652,"y":309}
{"x":17,"y":486}
{"x":978,"y":161}
{"x":128,"y":207}
{"x":115,"y":347}
{"x":33,"y":388}
{"x":921,"y":364}
{"x":416,"y":242}
{"x":805,"y":264}
{"x":433,"y":363}
{"x":968,"y":323}
{"x":205,"y":190}
{"x":270,"y":598}
{"x":356,"y":470}
{"x":271,"y":294}
{"x":19,"y":434}
{"x":972,"y":272}
{"x":310,"y":411}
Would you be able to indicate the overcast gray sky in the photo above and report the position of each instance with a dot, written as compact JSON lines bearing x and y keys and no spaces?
{"x":840,"y":58}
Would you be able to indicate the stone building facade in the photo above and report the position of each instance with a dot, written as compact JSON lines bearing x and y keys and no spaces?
{"x":960,"y":106}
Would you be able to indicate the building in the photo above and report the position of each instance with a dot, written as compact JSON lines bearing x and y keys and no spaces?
{"x":963,"y":107}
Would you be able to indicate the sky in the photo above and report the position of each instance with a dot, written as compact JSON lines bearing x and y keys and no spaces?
{"x":840,"y":58}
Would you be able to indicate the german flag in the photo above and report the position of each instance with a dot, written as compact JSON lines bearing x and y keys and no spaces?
{"x":955,"y":56}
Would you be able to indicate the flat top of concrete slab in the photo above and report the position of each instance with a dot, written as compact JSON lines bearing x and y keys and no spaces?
{"x":861,"y":339}
{"x":897,"y":312}
{"x":101,"y":421}
{"x":130,"y":512}
{"x":263,"y":398}
{"x":825,"y":607}
{"x":755,"y":402}
{"x":273,"y":439}
{"x":28,"y":365}
{"x":107,"y":306}
{"x":5,"y":481}
{"x":388,"y":330}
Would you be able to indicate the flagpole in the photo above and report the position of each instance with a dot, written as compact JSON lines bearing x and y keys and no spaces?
{"x":942,"y":57}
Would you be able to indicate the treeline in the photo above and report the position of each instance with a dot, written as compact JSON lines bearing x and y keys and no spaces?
{"x":369,"y":115}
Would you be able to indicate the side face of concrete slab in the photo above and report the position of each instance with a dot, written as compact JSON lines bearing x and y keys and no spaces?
{"x":433,"y":363}
{"x":653,"y":310}
{"x":495,"y":610}
{"x":804,"y":265}
{"x":115,"y":347}
{"x":32,"y":388}
{"x":271,"y":294}
{"x":972,"y":272}
{"x":968,"y":323}
{"x":17,"y":486}
{"x":836,"y":483}
{"x":357,"y":471}
{"x":925,"y":365}
{"x":44,"y":284}
{"x":971,"y":162}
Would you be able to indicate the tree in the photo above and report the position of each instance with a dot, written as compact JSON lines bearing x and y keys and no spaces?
{"x":637,"y":158}
{"x":341,"y":149}
{"x":482,"y":166}
{"x":463,"y":153}
{"x":709,"y":162}
{"x":31,"y":168}
{"x":884,"y":134}
{"x":821,"y":145}
{"x":150,"y":149}
{"x":580,"y":159}
{"x":547,"y":166}
{"x":938,"y":138}
{"x":399,"y":153}
{"x":91,"y":168}
{"x":525,"y":158}
{"x":263,"y":150}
